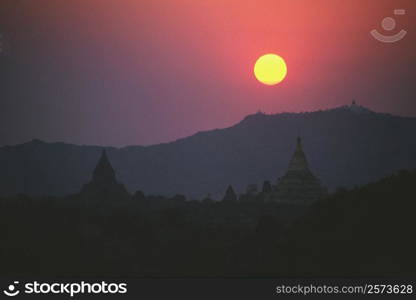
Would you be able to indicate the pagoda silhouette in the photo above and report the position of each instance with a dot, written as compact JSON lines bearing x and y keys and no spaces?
{"x":104,"y":185}
{"x":298,"y":185}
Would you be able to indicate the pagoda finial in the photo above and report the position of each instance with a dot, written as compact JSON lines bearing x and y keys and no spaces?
{"x":298,"y":161}
{"x":299,"y":142}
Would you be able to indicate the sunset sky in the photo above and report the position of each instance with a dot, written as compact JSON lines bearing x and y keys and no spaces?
{"x":129,"y":72}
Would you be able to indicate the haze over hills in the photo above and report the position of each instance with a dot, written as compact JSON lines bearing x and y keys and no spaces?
{"x":345,"y":146}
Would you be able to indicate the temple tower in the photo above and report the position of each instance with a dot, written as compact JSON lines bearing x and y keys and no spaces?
{"x":104,"y":172}
{"x":299,"y":184}
{"x":104,"y":185}
{"x":298,"y":163}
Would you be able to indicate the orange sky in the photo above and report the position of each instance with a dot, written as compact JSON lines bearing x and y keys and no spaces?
{"x":166,"y":69}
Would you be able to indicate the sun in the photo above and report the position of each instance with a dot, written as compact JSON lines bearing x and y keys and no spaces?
{"x":270,"y":69}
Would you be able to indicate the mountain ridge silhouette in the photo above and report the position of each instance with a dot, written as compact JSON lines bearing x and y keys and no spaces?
{"x":345,"y":146}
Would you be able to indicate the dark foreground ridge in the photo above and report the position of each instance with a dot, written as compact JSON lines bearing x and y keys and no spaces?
{"x":104,"y":231}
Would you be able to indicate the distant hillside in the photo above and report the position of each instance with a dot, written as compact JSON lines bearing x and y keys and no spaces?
{"x":345,"y":146}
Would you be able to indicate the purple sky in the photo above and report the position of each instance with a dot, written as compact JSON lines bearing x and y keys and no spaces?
{"x":142,"y":72}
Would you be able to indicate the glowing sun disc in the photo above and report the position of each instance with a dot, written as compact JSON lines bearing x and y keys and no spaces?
{"x":270,"y":69}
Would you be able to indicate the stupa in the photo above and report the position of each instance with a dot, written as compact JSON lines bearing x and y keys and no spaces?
{"x":104,"y":185}
{"x":298,"y":185}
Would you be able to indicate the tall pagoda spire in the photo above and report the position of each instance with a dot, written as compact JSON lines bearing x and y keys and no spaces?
{"x":104,"y":183}
{"x":298,"y":161}
{"x":104,"y":172}
{"x":298,"y":184}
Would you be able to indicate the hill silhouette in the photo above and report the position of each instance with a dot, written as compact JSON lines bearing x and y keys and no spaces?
{"x":346,"y":146}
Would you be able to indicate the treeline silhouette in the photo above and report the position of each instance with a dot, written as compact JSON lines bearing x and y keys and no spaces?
{"x":364,"y":231}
